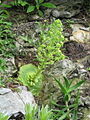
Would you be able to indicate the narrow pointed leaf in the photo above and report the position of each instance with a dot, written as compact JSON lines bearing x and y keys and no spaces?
{"x":40,"y":13}
{"x":41,"y":1}
{"x":71,"y":81}
{"x":76,"y":86}
{"x":66,"y":82}
{"x":36,"y":1}
{"x":61,"y":86}
{"x":49,"y":5}
{"x":63,"y":116}
{"x":6,"y":6}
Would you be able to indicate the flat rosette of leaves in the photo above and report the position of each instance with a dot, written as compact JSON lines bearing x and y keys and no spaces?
{"x":31,"y":77}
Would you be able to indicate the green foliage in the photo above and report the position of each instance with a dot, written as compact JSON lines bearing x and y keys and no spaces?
{"x":50,"y":44}
{"x":66,"y":88}
{"x":40,"y":3}
{"x":3,"y":117}
{"x":2,"y":65}
{"x":30,"y":112}
{"x":19,"y":3}
{"x":6,"y":37}
{"x":45,"y":113}
{"x":88,"y":69}
{"x":35,"y":113}
{"x":2,"y":5}
{"x":7,"y":40}
{"x":35,"y":6}
{"x":86,"y":4}
{"x":31,"y":77}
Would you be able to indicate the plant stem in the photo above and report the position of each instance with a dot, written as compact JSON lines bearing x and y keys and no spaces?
{"x":68,"y":110}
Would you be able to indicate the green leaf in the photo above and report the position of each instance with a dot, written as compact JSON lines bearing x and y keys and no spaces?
{"x":6,"y":5}
{"x":30,"y":9}
{"x":63,"y":116}
{"x":37,"y":6}
{"x":66,"y":82}
{"x":30,"y":112}
{"x":23,"y":3}
{"x":36,"y":1}
{"x":41,"y":1}
{"x":40,"y":13}
{"x":76,"y":86}
{"x":45,"y":113}
{"x":63,"y":89}
{"x":67,"y":97}
{"x":75,"y":110}
{"x":3,"y":117}
{"x":49,"y":5}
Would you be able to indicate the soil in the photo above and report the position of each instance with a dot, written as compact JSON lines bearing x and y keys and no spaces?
{"x":75,"y":50}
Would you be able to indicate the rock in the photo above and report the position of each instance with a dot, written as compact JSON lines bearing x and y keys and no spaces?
{"x":86,"y":100}
{"x":86,"y":115}
{"x":63,"y":67}
{"x":47,"y":13}
{"x":56,"y":13}
{"x":17,"y":116}
{"x":14,"y":102}
{"x":64,"y":14}
{"x":85,"y":61}
{"x":9,"y":70}
{"x":11,"y":62}
{"x":80,"y":33}
{"x":28,"y":31}
{"x":66,"y":8}
{"x":4,"y":91}
{"x":34,"y":17}
{"x":67,"y":2}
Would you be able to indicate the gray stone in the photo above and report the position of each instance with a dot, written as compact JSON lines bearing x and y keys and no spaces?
{"x":66,"y":8}
{"x":10,"y":70}
{"x":67,"y":2}
{"x":63,"y":67}
{"x":47,"y":13}
{"x":86,"y":113}
{"x":11,"y":65}
{"x":14,"y":102}
{"x":34,"y":17}
{"x":56,"y":13}
{"x":62,"y":14}
{"x":4,"y":91}
{"x":86,"y":100}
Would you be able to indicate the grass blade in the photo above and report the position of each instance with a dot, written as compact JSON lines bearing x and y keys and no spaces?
{"x":66,"y":82}
{"x":63,"y":89}
{"x":63,"y":116}
{"x":76,"y":86}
